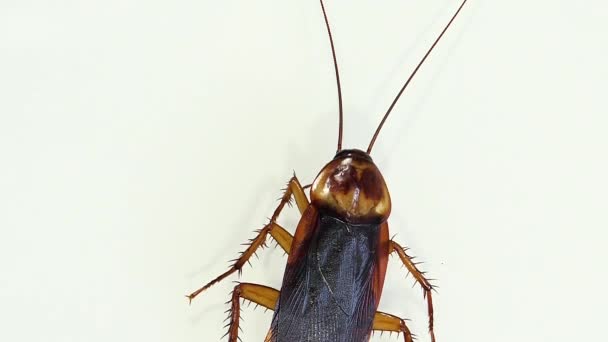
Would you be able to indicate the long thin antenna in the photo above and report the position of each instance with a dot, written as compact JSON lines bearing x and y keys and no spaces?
{"x":371,"y":143}
{"x":333,"y":52}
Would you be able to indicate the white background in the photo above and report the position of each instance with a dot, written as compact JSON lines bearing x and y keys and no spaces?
{"x":142,"y":141}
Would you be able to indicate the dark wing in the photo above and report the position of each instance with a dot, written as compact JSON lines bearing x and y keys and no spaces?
{"x":330,"y":286}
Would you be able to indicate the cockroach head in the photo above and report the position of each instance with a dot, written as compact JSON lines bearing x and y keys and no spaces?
{"x":350,"y":187}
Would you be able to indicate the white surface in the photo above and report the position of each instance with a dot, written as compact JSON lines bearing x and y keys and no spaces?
{"x":142,"y":141}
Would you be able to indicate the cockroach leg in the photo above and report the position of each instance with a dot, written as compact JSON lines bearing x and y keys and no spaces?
{"x":277,"y":232}
{"x":258,"y":294}
{"x":387,"y":322}
{"x":295,"y":189}
{"x":281,"y":236}
{"x":420,"y":278}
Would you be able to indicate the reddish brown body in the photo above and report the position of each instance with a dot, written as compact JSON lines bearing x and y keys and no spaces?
{"x":338,"y":255}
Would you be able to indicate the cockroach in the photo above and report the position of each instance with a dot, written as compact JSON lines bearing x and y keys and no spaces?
{"x":338,"y":256}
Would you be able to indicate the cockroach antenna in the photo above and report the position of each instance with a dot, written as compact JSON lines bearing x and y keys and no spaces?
{"x":371,"y":143}
{"x":333,"y":53}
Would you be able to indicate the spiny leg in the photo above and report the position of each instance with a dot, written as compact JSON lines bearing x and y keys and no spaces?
{"x":278,"y":233}
{"x":293,"y":188}
{"x":259,"y":294}
{"x":387,"y":322}
{"x":420,"y":278}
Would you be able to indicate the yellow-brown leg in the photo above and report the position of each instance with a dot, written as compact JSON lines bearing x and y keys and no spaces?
{"x":259,"y":294}
{"x":277,"y":232}
{"x":387,"y":322}
{"x":419,"y":276}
